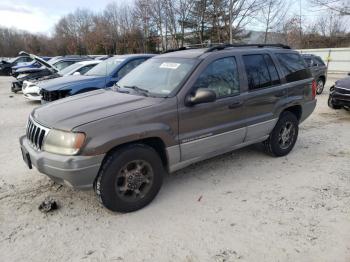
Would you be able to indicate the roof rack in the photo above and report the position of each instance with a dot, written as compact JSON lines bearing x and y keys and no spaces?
{"x":224,"y":46}
{"x":176,"y":49}
{"x":192,"y":46}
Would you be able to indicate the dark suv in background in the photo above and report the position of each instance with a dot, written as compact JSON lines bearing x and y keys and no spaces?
{"x":171,"y":111}
{"x":318,"y":69}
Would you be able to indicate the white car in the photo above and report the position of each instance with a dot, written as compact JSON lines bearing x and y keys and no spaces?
{"x":32,"y":92}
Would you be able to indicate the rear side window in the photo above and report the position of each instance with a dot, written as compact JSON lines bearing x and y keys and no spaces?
{"x":319,"y":60}
{"x":221,"y":76}
{"x":261,"y":71}
{"x":293,"y":67}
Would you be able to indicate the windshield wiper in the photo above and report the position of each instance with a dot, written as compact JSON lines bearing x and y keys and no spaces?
{"x":138,"y":89}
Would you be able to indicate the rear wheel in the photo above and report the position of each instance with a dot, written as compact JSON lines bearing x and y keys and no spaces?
{"x":320,"y":86}
{"x":130,"y":178}
{"x":283,"y":137}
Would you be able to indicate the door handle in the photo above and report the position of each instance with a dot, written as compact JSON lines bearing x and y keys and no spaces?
{"x":235,"y":105}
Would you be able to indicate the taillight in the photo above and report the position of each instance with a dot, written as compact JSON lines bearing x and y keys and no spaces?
{"x":314,"y":88}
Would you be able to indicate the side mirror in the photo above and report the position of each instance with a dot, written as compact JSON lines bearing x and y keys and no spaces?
{"x":202,"y":95}
{"x":76,"y":74}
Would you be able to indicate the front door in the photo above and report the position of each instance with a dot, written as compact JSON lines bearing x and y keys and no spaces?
{"x":211,"y":128}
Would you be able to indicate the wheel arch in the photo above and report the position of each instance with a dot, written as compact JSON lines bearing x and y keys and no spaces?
{"x":323,"y":78}
{"x":154,"y":142}
{"x":294,"y":109}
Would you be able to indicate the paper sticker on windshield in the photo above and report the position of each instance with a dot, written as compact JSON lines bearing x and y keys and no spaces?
{"x":169,"y":65}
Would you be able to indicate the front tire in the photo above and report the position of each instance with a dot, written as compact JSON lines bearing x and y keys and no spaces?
{"x":284,"y":135}
{"x":130,"y":178}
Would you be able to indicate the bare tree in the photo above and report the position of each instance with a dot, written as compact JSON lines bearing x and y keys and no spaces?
{"x":240,"y":13}
{"x":183,"y":9}
{"x":157,"y":12}
{"x":339,"y":6}
{"x":271,"y":15}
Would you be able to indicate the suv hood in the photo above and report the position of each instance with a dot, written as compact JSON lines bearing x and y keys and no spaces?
{"x":67,"y":81}
{"x":71,"y":112}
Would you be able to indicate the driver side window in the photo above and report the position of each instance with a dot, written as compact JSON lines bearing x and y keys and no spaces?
{"x":221,"y":76}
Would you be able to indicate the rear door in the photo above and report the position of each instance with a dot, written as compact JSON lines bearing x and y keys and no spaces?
{"x":211,"y":128}
{"x":264,"y":92}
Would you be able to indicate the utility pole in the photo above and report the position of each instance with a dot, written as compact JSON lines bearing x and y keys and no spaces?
{"x":230,"y":21}
{"x":300,"y":26}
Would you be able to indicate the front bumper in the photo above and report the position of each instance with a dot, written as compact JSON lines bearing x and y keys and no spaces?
{"x":340,"y":99}
{"x":32,"y":96}
{"x":75,"y":171}
{"x":30,"y":91}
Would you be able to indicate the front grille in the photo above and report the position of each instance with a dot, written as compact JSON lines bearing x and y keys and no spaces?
{"x":53,"y":95}
{"x":36,"y":134}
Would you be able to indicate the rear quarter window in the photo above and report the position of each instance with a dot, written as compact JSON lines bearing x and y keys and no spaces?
{"x":319,"y":60}
{"x":293,"y":67}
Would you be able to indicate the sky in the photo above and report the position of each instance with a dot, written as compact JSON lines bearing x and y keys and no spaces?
{"x":40,"y":16}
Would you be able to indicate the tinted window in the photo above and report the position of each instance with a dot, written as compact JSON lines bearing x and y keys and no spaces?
{"x":275,"y":80}
{"x":129,"y":66}
{"x":84,"y":69}
{"x":63,"y":64}
{"x":319,"y":60}
{"x":257,"y":72}
{"x":69,"y":69}
{"x":308,"y":61}
{"x":293,"y":67}
{"x":106,"y":67}
{"x":221,"y":76}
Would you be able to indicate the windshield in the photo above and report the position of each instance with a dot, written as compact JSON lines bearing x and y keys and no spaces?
{"x":106,"y":67}
{"x":159,"y":76}
{"x":69,"y":69}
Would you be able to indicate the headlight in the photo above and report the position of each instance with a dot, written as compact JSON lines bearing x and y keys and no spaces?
{"x":22,"y":75}
{"x":63,"y":142}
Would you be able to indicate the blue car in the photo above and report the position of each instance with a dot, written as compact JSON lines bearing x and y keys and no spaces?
{"x":33,"y":64}
{"x":104,"y":75}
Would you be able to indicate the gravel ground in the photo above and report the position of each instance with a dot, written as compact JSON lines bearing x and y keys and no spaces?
{"x":242,"y":206}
